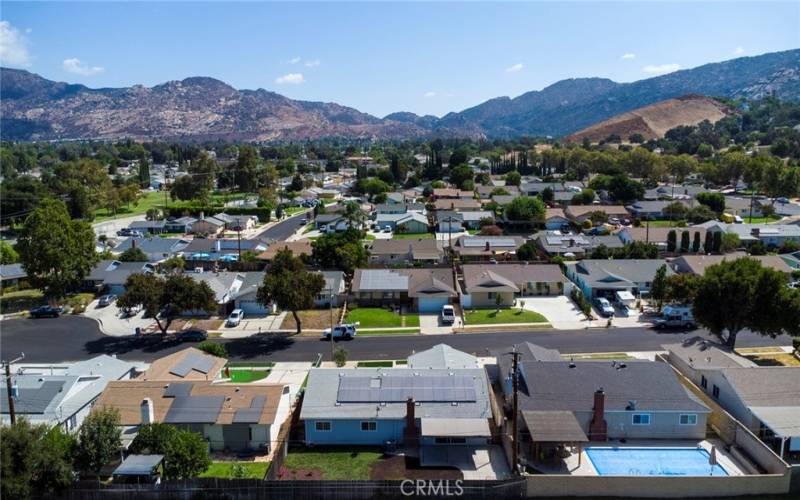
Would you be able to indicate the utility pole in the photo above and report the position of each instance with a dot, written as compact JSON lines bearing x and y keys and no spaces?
{"x":239,"y":237}
{"x":9,"y":388}
{"x":515,"y":417}
{"x":330,"y":307}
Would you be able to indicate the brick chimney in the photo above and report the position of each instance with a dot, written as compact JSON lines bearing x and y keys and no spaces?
{"x":488,"y":246}
{"x":598,"y":429}
{"x":146,"y":411}
{"x":410,"y":435}
{"x":133,"y":243}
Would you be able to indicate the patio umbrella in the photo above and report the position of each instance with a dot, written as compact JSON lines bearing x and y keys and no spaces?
{"x":712,"y":459}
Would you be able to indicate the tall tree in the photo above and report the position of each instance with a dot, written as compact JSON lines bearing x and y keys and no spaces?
{"x":685,"y":241}
{"x":289,"y":285}
{"x":672,"y":240}
{"x":99,"y":439}
{"x":165,"y":298}
{"x":246,"y":173}
{"x":658,"y":287}
{"x":56,"y":251}
{"x":185,"y":452}
{"x":739,"y":294}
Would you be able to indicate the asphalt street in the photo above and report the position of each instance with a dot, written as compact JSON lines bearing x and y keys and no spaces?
{"x":282,"y":230}
{"x":72,"y":338}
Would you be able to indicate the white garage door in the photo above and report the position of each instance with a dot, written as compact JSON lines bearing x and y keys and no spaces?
{"x":432,"y":304}
{"x":252,"y":308}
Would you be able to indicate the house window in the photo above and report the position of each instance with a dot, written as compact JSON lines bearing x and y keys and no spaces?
{"x":369,"y":426}
{"x":703,"y":382}
{"x":641,"y":419}
{"x":491,"y":295}
{"x":715,"y":391}
{"x":72,"y":422}
{"x":688,"y":419}
{"x":322,"y":426}
{"x":388,"y":295}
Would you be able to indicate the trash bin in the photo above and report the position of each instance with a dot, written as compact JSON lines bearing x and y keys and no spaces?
{"x":138,"y":331}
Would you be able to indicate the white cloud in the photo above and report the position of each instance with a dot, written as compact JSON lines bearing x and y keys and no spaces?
{"x":738,"y":51}
{"x":312,"y":64}
{"x":290,"y":78}
{"x":661,"y":68}
{"x":629,"y":55}
{"x":430,"y":94}
{"x":13,"y":46}
{"x":294,"y":60}
{"x":515,"y":68}
{"x":78,"y":67}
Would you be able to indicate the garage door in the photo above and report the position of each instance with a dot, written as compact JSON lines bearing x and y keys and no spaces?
{"x":432,"y":304}
{"x":252,"y":308}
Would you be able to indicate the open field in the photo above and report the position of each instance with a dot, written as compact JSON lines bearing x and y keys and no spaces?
{"x":151,"y":199}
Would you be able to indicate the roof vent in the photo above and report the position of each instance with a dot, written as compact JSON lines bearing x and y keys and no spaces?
{"x":454,"y":403}
{"x":631,"y":405}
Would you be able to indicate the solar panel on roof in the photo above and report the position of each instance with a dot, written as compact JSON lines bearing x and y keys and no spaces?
{"x":398,"y":389}
{"x":193,"y":361}
{"x":194,"y":410}
{"x":383,"y":280}
{"x":178,"y":389}
{"x":250,"y":415}
{"x":481,"y":242}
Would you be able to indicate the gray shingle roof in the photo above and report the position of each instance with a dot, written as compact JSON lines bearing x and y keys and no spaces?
{"x":766,"y":385}
{"x":442,"y":356}
{"x":12,"y":271}
{"x":617,"y":273}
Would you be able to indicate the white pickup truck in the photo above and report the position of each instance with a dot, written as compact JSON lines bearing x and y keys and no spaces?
{"x":347,"y":331}
{"x":675,"y":317}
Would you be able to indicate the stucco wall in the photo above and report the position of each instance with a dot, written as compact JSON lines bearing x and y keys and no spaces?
{"x":348,"y":432}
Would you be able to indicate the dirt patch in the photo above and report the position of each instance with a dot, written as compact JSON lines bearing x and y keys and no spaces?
{"x":208,"y":324}
{"x":299,"y":475}
{"x":399,"y":467}
{"x":312,"y":319}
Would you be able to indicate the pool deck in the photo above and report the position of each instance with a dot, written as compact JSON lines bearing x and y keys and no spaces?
{"x":570,"y":464}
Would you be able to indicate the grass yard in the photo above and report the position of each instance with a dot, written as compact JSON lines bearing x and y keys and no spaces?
{"x":662,"y":223}
{"x":762,"y":220}
{"x":412,"y":236}
{"x":376,"y":317}
{"x":784,"y":359}
{"x":333,"y":463}
{"x":151,"y":199}
{"x":294,"y":210}
{"x":170,"y":235}
{"x":250,"y":364}
{"x":312,"y":319}
{"x":226,"y":470}
{"x":21,"y":300}
{"x":491,"y":316}
{"x":375,"y":364}
{"x":247,"y":376}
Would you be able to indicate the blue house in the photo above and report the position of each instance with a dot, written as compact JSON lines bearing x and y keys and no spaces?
{"x":428,"y":404}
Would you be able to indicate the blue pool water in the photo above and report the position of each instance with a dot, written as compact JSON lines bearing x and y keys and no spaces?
{"x":652,"y":462}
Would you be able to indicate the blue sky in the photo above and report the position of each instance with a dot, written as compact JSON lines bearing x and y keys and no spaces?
{"x":384,"y":57}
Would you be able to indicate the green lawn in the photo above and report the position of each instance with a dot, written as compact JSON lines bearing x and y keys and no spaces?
{"x":762,"y":220}
{"x":225,"y":470}
{"x":151,"y":199}
{"x":491,"y":316}
{"x":171,"y":235}
{"x":375,"y":364}
{"x":662,"y":223}
{"x":21,"y":300}
{"x":412,"y":236}
{"x":293,"y":210}
{"x":374,"y":317}
{"x":246,"y":376}
{"x":334,"y":463}
{"x":250,"y":364}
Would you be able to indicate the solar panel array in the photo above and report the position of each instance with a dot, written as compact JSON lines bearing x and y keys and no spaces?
{"x":178,"y":389}
{"x":250,"y":415}
{"x":481,"y":242}
{"x":382,"y":279}
{"x":398,"y":389}
{"x":194,"y":410}
{"x":193,"y":361}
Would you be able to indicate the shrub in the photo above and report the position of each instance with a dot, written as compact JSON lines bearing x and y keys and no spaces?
{"x":340,"y":357}
{"x":796,"y":344}
{"x":213,"y":348}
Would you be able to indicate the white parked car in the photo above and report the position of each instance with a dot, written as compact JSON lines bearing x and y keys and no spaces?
{"x":448,"y":315}
{"x":235,"y":318}
{"x":604,"y":306}
{"x":347,"y":331}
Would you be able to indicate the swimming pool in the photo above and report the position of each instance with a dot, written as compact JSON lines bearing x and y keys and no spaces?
{"x":652,"y":462}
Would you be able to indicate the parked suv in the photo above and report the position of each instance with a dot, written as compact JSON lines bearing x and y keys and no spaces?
{"x":347,"y":331}
{"x":192,"y":335}
{"x":46,"y":312}
{"x":236,"y":317}
{"x":604,"y":306}
{"x":448,"y":315}
{"x":106,"y":300}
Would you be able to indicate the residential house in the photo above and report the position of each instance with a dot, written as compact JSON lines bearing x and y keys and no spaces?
{"x":110,"y":276}
{"x":487,"y":248}
{"x":148,"y":226}
{"x":237,"y":222}
{"x":439,"y":405}
{"x":330,"y":222}
{"x":332,"y":294}
{"x":535,"y":188}
{"x":501,"y":199}
{"x":156,"y":249}
{"x":482,"y":283}
{"x":12,"y":275}
{"x":576,"y":246}
{"x":207,"y":226}
{"x":603,"y":278}
{"x":579,"y":213}
{"x":697,"y":264}
{"x":405,"y":251}
{"x":61,"y":393}
{"x":232,"y":290}
{"x":406,"y":222}
{"x":204,"y":250}
{"x":652,"y":210}
{"x":602,"y":400}
{"x":485,"y":192}
{"x":442,"y":356}
{"x":179,"y":225}
{"x":451,"y":194}
{"x":420,"y":289}
{"x":554,"y":218}
{"x":399,"y":208}
{"x":455,"y":222}
{"x":299,"y":248}
{"x":187,"y":365}
{"x":678,"y":192}
{"x":397,"y":198}
{"x":659,"y":236}
{"x":771,"y":235}
{"x":736,"y":205}
{"x":459,"y":204}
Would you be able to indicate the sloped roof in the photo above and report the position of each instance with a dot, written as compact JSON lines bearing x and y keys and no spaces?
{"x":621,"y":273}
{"x":442,"y":356}
{"x":554,"y":427}
{"x":766,"y":386}
{"x":162,"y":369}
{"x":488,"y":277}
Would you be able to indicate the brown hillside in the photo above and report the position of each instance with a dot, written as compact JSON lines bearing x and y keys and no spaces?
{"x":654,"y":120}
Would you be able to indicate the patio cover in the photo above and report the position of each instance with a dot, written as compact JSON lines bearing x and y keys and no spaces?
{"x":554,"y":427}
{"x":782,"y":420}
{"x":455,"y":427}
{"x":138,"y":465}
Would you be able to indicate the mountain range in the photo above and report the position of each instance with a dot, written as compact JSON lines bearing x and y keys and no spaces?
{"x":200,"y":108}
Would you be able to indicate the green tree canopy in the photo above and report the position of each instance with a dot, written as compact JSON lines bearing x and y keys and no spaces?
{"x":8,"y":255}
{"x":185,"y":452}
{"x":344,"y":251}
{"x":56,"y":251}
{"x":99,"y":439}
{"x":133,"y":254}
{"x":525,"y":209}
{"x":289,"y":285}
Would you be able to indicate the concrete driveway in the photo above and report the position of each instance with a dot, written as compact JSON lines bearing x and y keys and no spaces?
{"x":112,"y":321}
{"x":560,"y":311}
{"x":253,"y":325}
{"x":431,"y":324}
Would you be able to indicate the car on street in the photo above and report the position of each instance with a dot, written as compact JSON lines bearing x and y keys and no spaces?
{"x":448,"y":315}
{"x":303,"y":221}
{"x":46,"y":312}
{"x":106,"y":300}
{"x":782,"y":200}
{"x":344,"y":331}
{"x":192,"y":335}
{"x":604,"y":306}
{"x":124,"y":232}
{"x":236,"y":317}
{"x":675,"y":317}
